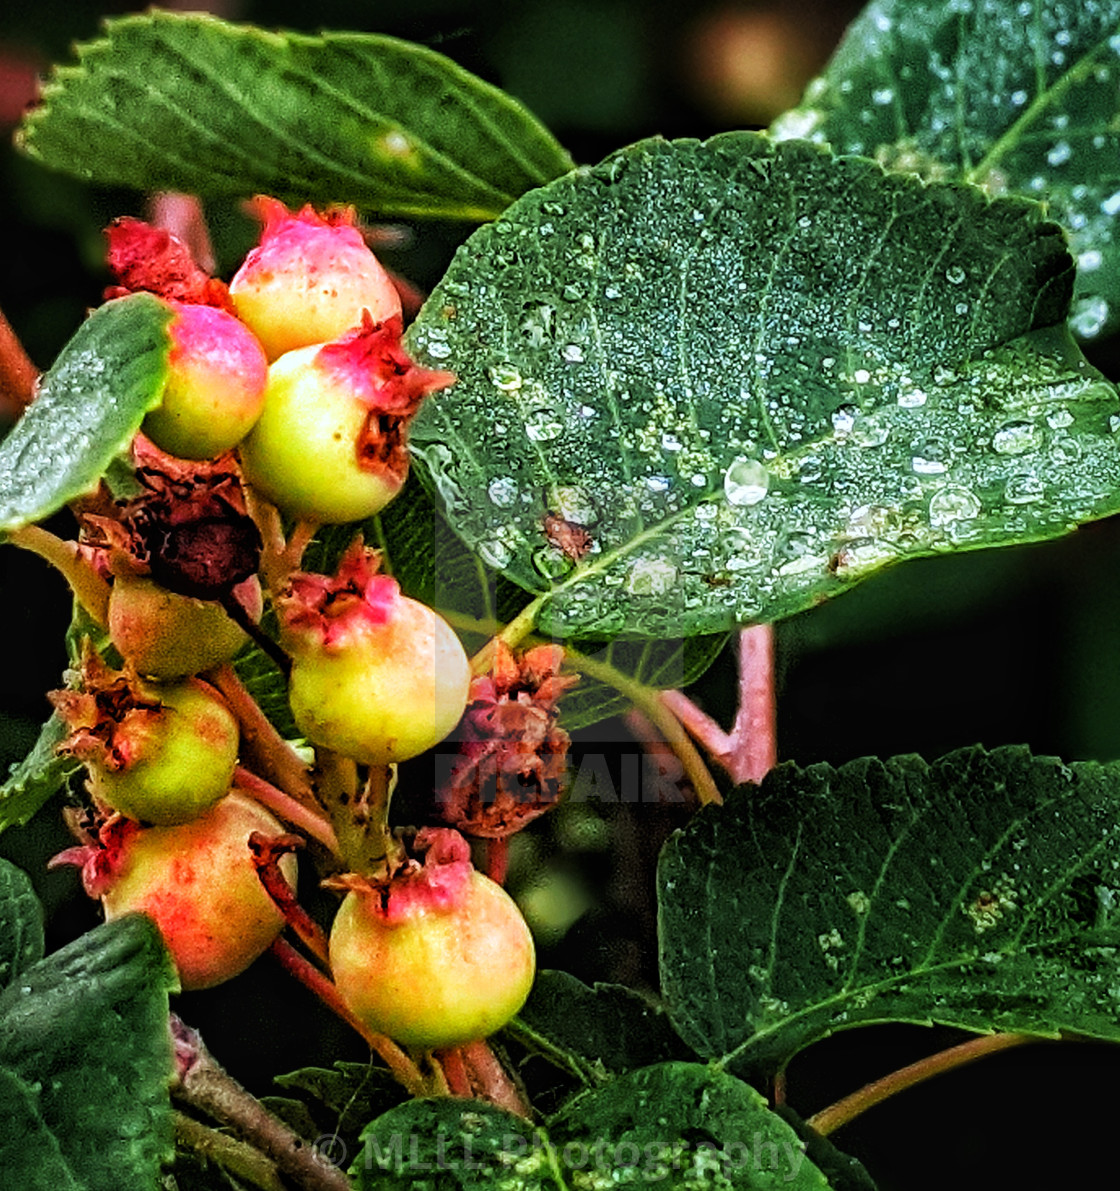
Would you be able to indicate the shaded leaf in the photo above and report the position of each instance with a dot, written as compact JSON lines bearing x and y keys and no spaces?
{"x":30,"y":1155}
{"x":980,"y":892}
{"x":754,"y":373}
{"x":844,"y":1173}
{"x":21,"y":925}
{"x":89,"y":407}
{"x":594,"y":1032}
{"x":86,"y":1030}
{"x":448,"y":1145}
{"x":40,"y":775}
{"x":351,"y":1093}
{"x":189,"y":102}
{"x":679,"y":1125}
{"x":1019,"y":96}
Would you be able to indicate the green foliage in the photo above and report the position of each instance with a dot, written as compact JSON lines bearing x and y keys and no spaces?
{"x":188,"y":102}
{"x":1019,"y":96}
{"x":37,"y":777}
{"x":979,"y":892}
{"x":85,"y":1063}
{"x":887,"y":382}
{"x":21,"y":924}
{"x":88,"y":409}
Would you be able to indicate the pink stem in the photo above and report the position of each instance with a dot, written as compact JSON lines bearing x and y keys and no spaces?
{"x":18,"y":374}
{"x":489,"y":1078}
{"x":497,"y":860}
{"x":285,"y":807}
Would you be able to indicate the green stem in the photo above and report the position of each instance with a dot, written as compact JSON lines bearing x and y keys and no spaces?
{"x":238,"y":1157}
{"x":648,"y":701}
{"x":512,"y":635}
{"x":90,"y":590}
{"x":843,"y":1111}
{"x":360,"y":816}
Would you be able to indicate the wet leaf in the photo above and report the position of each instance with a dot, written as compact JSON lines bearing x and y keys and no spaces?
{"x":982,"y":891}
{"x":40,"y":775}
{"x":754,"y":373}
{"x":189,"y":102}
{"x":21,"y":924}
{"x":1019,"y":96}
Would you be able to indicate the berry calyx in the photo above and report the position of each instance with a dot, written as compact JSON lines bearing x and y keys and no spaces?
{"x":157,"y":753}
{"x":197,"y":881}
{"x":330,"y":444}
{"x":215,"y":387}
{"x":152,"y":259}
{"x":309,"y":279}
{"x":375,"y":675}
{"x":437,"y":957}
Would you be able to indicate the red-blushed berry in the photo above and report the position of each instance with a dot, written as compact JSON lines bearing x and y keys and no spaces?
{"x":330,"y":444}
{"x":215,"y":387}
{"x":375,"y":675}
{"x":156,"y":752}
{"x":437,"y":956}
{"x":164,"y":635}
{"x":197,"y":881}
{"x":309,"y":279}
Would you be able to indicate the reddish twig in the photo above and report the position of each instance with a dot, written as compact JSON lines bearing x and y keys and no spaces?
{"x":497,"y":860}
{"x":490,"y":1080}
{"x":455,"y":1071}
{"x":18,"y":375}
{"x":283,"y":806}
{"x":266,"y":859}
{"x":750,"y":750}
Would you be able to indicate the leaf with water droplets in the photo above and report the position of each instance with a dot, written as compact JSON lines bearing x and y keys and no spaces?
{"x":40,"y":775}
{"x":88,"y":408}
{"x":1019,"y":96}
{"x":21,"y":924}
{"x":187,"y":102}
{"x":982,"y":891}
{"x":745,"y":374}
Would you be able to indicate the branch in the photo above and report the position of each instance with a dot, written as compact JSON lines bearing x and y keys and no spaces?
{"x":285,"y":807}
{"x":846,"y":1110}
{"x":90,"y":590}
{"x":238,"y":1157}
{"x":266,"y":854}
{"x":18,"y":375}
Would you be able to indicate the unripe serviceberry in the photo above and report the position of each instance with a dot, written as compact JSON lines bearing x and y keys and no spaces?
{"x":375,"y":675}
{"x":440,"y":957}
{"x":330,"y":443}
{"x":215,"y":384}
{"x":309,"y":279}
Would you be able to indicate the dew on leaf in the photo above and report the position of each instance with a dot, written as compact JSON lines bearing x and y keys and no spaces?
{"x":870,"y":430}
{"x":1023,"y":489}
{"x":651,"y":577}
{"x":954,"y":274}
{"x":1089,"y":316}
{"x":746,"y":482}
{"x":953,"y":503}
{"x":1017,"y":438}
{"x":1065,"y":450}
{"x":573,"y":353}
{"x":543,"y":424}
{"x":1059,"y":154}
{"x":502,"y":491}
{"x":912,"y":398}
{"x":1059,"y":419}
{"x":505,"y":377}
{"x":843,"y":419}
{"x":1089,"y":260}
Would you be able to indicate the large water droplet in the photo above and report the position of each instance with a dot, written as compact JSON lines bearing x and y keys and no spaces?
{"x":954,"y":274}
{"x":1065,"y":450}
{"x":1017,"y":438}
{"x":953,"y":503}
{"x":843,"y":419}
{"x":505,"y":376}
{"x":572,"y":353}
{"x":746,"y":482}
{"x":1023,"y":489}
{"x":495,"y":553}
{"x":1088,"y":316}
{"x":543,"y":424}
{"x":1059,"y":154}
{"x":930,"y":459}
{"x":502,"y":491}
{"x":870,"y":430}
{"x":912,"y":398}
{"x":651,"y":577}
{"x":1059,"y":418}
{"x":574,"y":503}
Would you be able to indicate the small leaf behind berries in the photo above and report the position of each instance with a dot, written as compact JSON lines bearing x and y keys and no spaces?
{"x":167,"y":101}
{"x":86,"y":1029}
{"x":21,"y":925}
{"x":1019,"y":96}
{"x":88,"y":408}
{"x":467,"y":1146}
{"x":37,"y":777}
{"x":981,"y":891}
{"x":755,"y":373}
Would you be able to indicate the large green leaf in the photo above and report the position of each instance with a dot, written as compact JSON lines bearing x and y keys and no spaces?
{"x":680,"y":1125}
{"x":21,"y":924}
{"x":89,"y":406}
{"x":85,"y":1055}
{"x":1017,"y":95}
{"x":188,"y":102}
{"x":754,"y":373}
{"x":37,"y":777}
{"x":982,"y":891}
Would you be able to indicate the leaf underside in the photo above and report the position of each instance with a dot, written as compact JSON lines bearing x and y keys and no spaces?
{"x":751,"y":373}
{"x":982,"y":891}
{"x":189,"y":102}
{"x":1019,"y":96}
{"x":37,"y":777}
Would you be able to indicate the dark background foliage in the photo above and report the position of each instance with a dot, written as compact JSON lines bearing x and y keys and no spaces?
{"x":1016,"y":646}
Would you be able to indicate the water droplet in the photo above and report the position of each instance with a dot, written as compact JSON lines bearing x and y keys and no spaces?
{"x":861,"y":376}
{"x":870,"y":430}
{"x":1065,"y":450}
{"x":505,"y":376}
{"x":1016,"y":438}
{"x":543,"y":424}
{"x":954,"y":274}
{"x":843,"y":419}
{"x":961,"y":308}
{"x":1059,"y":419}
{"x":612,"y":292}
{"x":502,"y":491}
{"x":438,"y":349}
{"x":1059,"y":154}
{"x":1088,"y":316}
{"x":574,"y":503}
{"x":670,"y":442}
{"x":882,"y":96}
{"x":929,"y":459}
{"x":746,"y":482}
{"x":1018,"y":98}
{"x":572,"y":293}
{"x":651,"y":577}
{"x":495,"y":553}
{"x":912,"y":398}
{"x":805,"y":221}
{"x":1114,"y":423}
{"x":1023,"y":488}
{"x":953,"y":503}
{"x":573,"y":353}
{"x":658,"y":483}
{"x":810,"y":469}
{"x":1090,"y":260}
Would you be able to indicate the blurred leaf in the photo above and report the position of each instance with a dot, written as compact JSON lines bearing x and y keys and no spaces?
{"x":351,"y":1093}
{"x":978,"y":892}
{"x":21,"y":924}
{"x":1019,"y":96}
{"x":89,"y":407}
{"x":168,"y":101}
{"x":41,"y":774}
{"x":85,"y":1058}
{"x":888,"y":382}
